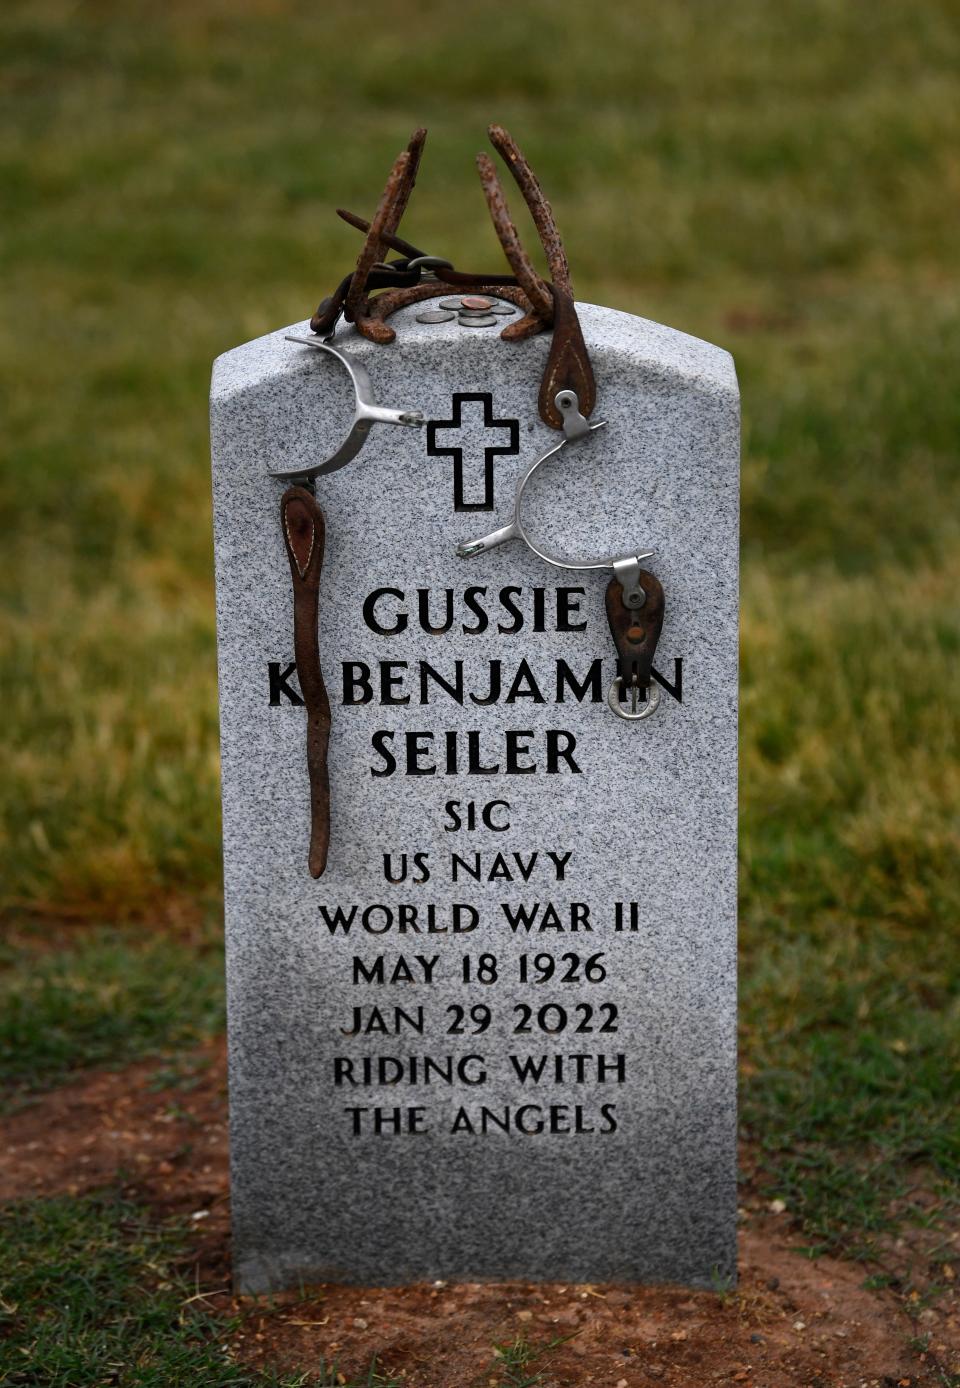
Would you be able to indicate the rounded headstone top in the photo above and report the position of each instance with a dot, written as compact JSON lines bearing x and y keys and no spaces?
{"x":611,"y":335}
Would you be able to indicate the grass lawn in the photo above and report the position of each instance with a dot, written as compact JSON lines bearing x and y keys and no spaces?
{"x":781,"y":179}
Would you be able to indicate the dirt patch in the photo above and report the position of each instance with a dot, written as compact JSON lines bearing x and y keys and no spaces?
{"x":157,"y":1131}
{"x":161,"y":1134}
{"x":792,"y":1322}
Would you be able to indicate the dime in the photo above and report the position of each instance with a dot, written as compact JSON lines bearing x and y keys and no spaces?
{"x":477,"y":320}
{"x":434,"y":315}
{"x":453,"y":304}
{"x":502,"y":308}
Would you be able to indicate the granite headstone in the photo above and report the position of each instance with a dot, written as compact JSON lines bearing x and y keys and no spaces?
{"x":496,"y":1038}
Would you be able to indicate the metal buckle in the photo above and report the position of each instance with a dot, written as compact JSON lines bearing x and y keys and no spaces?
{"x":637,"y":710}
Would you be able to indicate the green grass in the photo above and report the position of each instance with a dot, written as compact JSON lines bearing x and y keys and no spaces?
{"x":109,"y":999}
{"x":781,"y":179}
{"x":515,"y":1362}
{"x":851,"y":1021}
{"x":92,"y":1295}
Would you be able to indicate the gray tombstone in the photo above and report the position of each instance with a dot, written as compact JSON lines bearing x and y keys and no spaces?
{"x":496,"y":1038}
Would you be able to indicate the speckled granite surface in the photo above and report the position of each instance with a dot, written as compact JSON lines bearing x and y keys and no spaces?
{"x":621,"y":1167}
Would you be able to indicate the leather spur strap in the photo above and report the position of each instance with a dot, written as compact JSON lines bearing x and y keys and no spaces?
{"x":304,"y":531}
{"x":568,"y":365}
{"x":636,"y":630}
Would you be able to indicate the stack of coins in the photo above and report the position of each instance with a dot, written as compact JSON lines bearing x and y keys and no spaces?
{"x":470,"y":311}
{"x":475,"y":312}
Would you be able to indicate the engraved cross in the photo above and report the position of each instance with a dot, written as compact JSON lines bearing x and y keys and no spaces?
{"x":458,"y":441}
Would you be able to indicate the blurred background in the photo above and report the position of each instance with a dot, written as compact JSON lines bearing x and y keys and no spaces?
{"x":781,"y":179}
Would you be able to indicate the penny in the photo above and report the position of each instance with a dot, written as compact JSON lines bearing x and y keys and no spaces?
{"x":477,"y":303}
{"x":434,"y":315}
{"x":476,"y":320}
